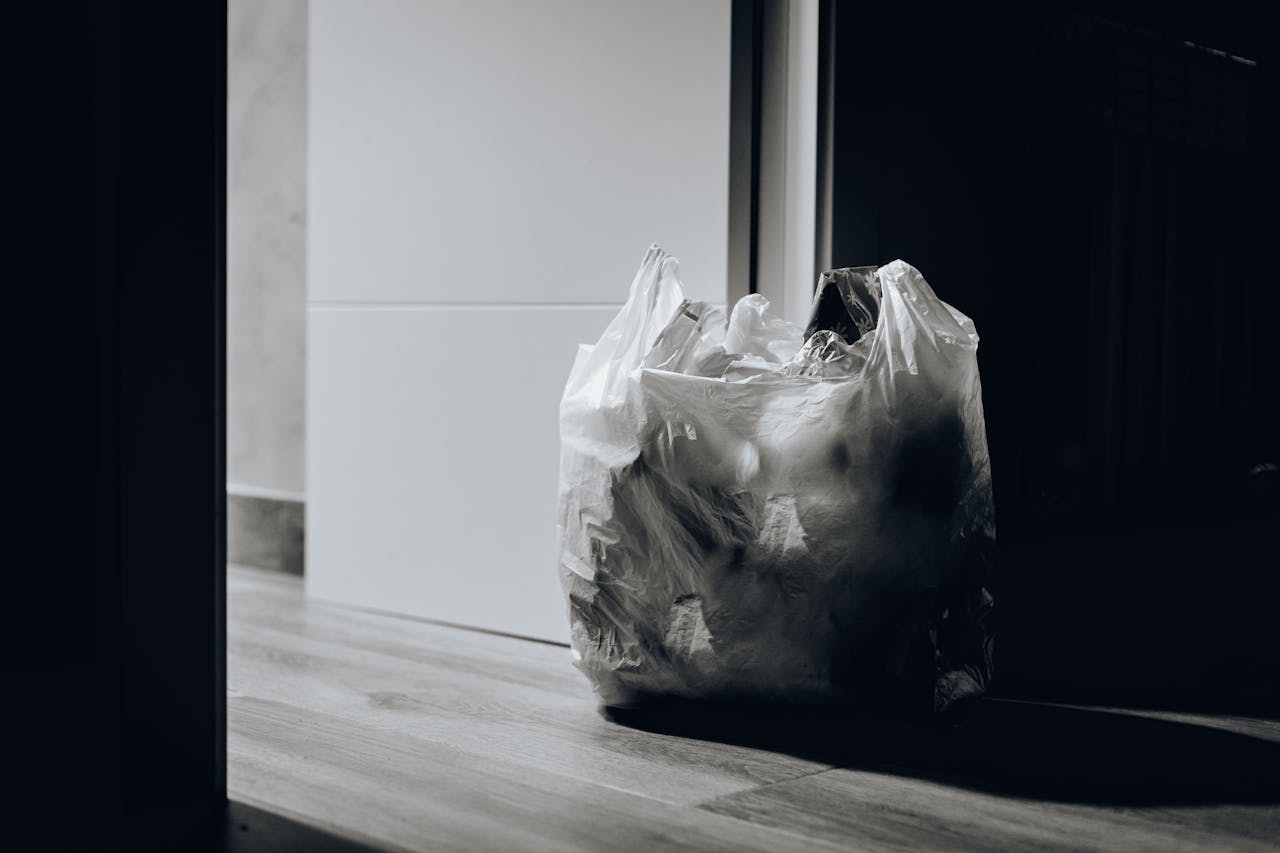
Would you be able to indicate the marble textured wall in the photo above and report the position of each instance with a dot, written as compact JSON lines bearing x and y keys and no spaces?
{"x":266,"y":247}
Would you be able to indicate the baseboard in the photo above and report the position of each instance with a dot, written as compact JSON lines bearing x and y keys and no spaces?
{"x":266,"y":532}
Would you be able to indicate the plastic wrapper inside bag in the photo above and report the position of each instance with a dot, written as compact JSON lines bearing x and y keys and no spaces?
{"x":754,"y":511}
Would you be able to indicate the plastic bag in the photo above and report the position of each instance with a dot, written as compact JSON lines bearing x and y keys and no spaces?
{"x":749,"y":510}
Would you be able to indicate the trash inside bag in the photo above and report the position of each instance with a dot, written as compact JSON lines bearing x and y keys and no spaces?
{"x":750,"y":510}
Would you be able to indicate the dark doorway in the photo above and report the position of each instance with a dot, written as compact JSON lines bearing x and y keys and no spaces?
{"x":1094,"y":189}
{"x":114,"y":626}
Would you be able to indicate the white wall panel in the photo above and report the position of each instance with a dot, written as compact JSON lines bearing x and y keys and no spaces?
{"x":484,"y":179}
{"x":434,"y":449}
{"x":515,"y":150}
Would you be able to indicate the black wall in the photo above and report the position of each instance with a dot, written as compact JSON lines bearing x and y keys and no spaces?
{"x":1097,"y":195}
{"x":113,"y":625}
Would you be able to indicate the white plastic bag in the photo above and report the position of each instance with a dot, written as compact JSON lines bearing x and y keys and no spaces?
{"x":747,"y":514}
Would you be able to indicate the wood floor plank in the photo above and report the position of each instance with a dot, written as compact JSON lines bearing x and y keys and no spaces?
{"x":425,"y":736}
{"x":493,"y":696}
{"x":885,"y":811}
{"x":424,"y":795}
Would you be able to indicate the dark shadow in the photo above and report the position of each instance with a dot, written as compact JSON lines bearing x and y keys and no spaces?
{"x":1016,"y":748}
{"x":252,"y":830}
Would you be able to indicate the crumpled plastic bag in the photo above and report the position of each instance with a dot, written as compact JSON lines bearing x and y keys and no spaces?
{"x":749,"y":510}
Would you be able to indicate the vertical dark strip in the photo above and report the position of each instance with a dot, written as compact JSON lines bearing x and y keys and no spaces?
{"x":865,"y":83}
{"x":1110,"y":335}
{"x":218,"y":345}
{"x":757,"y":99}
{"x":826,"y":134}
{"x":116,"y":380}
{"x":104,"y":193}
{"x":170,"y":146}
{"x":1170,"y":341}
{"x":744,"y":146}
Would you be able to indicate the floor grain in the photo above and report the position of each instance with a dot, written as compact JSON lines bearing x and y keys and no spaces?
{"x":892,"y":812}
{"x":420,"y":736}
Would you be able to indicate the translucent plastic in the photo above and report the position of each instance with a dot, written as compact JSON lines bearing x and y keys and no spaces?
{"x":745,"y":513}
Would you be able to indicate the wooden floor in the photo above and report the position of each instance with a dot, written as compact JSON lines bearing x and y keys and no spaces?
{"x":400,"y":734}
